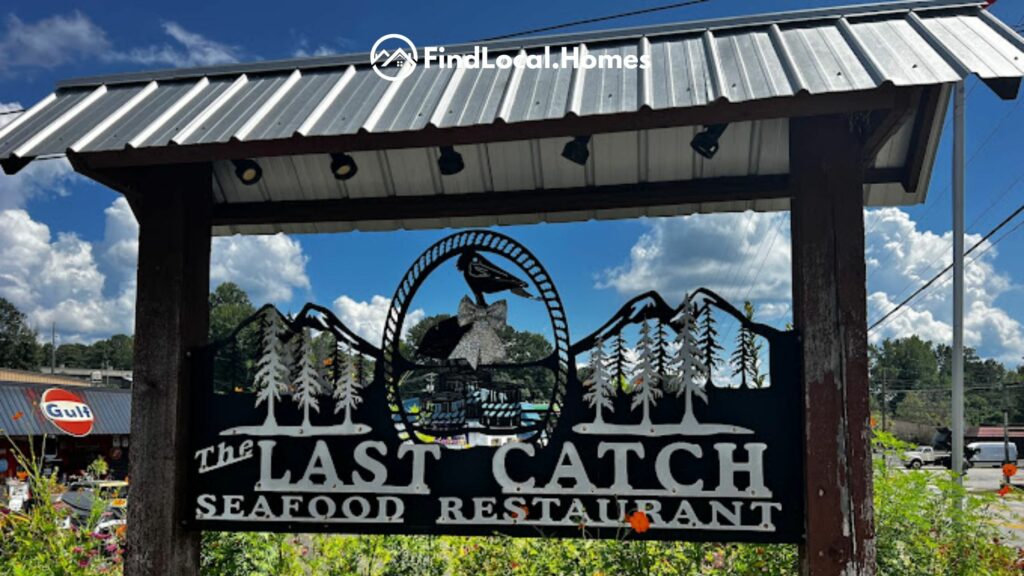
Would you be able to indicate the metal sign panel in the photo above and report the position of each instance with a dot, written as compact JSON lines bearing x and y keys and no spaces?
{"x":649,"y":427}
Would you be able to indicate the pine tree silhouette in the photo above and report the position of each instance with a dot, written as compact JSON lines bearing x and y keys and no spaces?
{"x":307,"y":382}
{"x":346,"y":391}
{"x":602,"y":389}
{"x":647,"y":382}
{"x":709,"y":342}
{"x":688,"y":364}
{"x":272,"y":376}
{"x":620,"y":363}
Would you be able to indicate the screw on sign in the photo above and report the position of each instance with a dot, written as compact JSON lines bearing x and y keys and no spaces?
{"x":67,"y":411}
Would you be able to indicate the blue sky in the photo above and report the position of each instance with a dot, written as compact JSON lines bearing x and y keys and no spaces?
{"x":67,"y":245}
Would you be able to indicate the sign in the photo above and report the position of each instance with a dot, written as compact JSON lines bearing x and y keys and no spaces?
{"x":689,"y":413}
{"x":67,"y":411}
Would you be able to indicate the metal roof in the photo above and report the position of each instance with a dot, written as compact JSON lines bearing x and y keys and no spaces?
{"x":111,"y":407}
{"x":693,"y":65}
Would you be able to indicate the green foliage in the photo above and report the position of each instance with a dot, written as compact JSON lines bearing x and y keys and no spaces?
{"x":234,"y":367}
{"x":917,"y":375}
{"x":35,"y":543}
{"x":926,"y":523}
{"x":98,"y":468}
{"x":18,"y":348}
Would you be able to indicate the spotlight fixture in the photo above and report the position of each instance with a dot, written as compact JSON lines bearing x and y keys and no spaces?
{"x":343,"y":166}
{"x":248,"y":171}
{"x":450,"y":161}
{"x":577,"y":150}
{"x":705,"y":142}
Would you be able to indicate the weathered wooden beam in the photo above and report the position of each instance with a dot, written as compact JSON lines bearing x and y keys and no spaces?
{"x":923,"y":140}
{"x":885,"y":123}
{"x":568,"y":126}
{"x":171,"y":317}
{"x":549,"y":201}
{"x":829,"y":309}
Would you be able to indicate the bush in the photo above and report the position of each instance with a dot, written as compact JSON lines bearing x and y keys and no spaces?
{"x":34,"y":542}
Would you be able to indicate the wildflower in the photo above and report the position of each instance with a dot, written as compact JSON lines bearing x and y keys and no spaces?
{"x":121,"y":530}
{"x":1004,"y":490}
{"x":111,"y":548}
{"x":1009,"y":470}
{"x":100,"y":535}
{"x":83,"y":562}
{"x":639,"y":521}
{"x":77,"y":550}
{"x":18,"y":415}
{"x":873,"y":422}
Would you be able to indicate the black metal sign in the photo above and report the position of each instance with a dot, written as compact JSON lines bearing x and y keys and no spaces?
{"x":661,"y":424}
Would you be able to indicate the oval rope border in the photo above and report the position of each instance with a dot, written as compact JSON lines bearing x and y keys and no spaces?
{"x":432,"y":258}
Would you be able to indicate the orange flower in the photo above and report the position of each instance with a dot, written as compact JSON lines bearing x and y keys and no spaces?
{"x":872,"y":422}
{"x":121,"y":530}
{"x":1004,"y":490}
{"x":639,"y":521}
{"x":1009,"y":470}
{"x":18,"y":415}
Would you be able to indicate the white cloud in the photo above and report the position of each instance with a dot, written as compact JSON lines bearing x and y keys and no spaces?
{"x":367,"y":318}
{"x":50,"y":42}
{"x":38,"y":179}
{"x":901,"y":258}
{"x":269,"y":268}
{"x":722,"y":252}
{"x":88,"y":289}
{"x":59,"y":280}
{"x":192,"y":50}
{"x":66,"y":38}
{"x":741,"y":254}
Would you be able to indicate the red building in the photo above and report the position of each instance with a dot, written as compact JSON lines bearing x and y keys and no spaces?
{"x":22,"y":420}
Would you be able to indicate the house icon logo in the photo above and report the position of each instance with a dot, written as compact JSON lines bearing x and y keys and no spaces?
{"x":393,"y":57}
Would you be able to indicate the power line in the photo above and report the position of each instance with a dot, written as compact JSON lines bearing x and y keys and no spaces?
{"x":594,"y":20}
{"x":947,"y":268}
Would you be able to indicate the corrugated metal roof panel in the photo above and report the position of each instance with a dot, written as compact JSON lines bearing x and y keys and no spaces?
{"x":111,"y":410}
{"x":692,"y":65}
{"x":738,"y":63}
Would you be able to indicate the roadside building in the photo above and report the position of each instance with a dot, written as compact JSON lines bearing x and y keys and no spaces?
{"x":23,"y":420}
{"x":995,"y":434}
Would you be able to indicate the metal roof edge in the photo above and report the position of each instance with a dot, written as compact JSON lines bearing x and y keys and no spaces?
{"x":339,"y":60}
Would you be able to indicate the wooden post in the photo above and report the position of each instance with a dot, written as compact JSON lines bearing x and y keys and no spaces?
{"x":173,"y":207}
{"x":829,"y":310}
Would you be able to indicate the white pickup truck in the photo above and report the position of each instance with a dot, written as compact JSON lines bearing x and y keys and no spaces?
{"x":929,"y":456}
{"x":923,"y":456}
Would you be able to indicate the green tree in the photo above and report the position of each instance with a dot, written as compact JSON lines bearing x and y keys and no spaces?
{"x":235,"y":364}
{"x":18,"y":346}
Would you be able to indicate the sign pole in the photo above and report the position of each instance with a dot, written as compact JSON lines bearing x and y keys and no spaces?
{"x":829,"y":292}
{"x":171,"y":319}
{"x":959,"y":167}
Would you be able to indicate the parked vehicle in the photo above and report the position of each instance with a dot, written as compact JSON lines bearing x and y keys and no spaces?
{"x":921,"y":456}
{"x":991,"y":453}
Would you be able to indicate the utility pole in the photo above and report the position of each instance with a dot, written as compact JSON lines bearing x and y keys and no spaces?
{"x":959,"y":134}
{"x":53,"y":348}
{"x":1006,"y":431}
{"x":884,"y":396}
